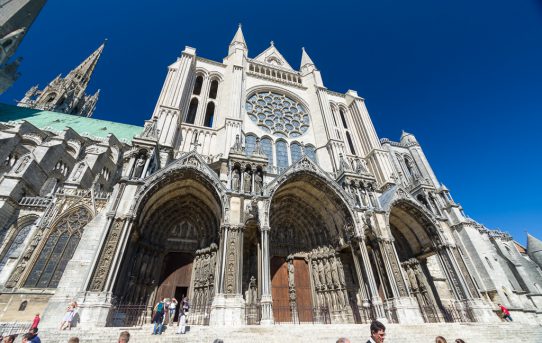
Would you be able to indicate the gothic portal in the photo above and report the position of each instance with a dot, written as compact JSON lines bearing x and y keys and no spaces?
{"x":255,"y":191}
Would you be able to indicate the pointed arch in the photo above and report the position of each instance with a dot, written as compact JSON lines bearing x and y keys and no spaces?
{"x":192,"y":110}
{"x":209,"y":114}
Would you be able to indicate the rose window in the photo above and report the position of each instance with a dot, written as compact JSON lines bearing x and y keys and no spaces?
{"x":278,"y":114}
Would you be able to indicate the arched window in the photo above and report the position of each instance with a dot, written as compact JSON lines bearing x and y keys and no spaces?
{"x":16,"y":247}
{"x":250,"y":144}
{"x":192,"y":109}
{"x":350,"y":144}
{"x":58,"y":249}
{"x":198,"y":84}
{"x":333,"y":114}
{"x":209,"y":114}
{"x":295,"y":152}
{"x":22,"y":307}
{"x":214,"y":89}
{"x":282,"y":154}
{"x":310,"y":151}
{"x":267,"y":147}
{"x":343,"y":119}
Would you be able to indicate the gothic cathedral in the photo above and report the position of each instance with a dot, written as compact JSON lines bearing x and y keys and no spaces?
{"x":252,"y":189}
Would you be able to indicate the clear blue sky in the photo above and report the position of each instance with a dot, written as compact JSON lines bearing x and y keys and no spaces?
{"x":464,"y":76}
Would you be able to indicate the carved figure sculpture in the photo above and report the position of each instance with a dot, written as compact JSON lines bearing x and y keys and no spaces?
{"x":315,"y":277}
{"x":258,"y":182}
{"x":138,"y":169}
{"x":235,"y":180}
{"x":334,"y":272}
{"x":327,"y":273}
{"x":247,"y":181}
{"x":291,"y":282}
{"x":321,"y":272}
{"x":341,"y":272}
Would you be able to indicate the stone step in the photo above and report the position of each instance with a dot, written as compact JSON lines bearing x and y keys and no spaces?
{"x":424,"y":333}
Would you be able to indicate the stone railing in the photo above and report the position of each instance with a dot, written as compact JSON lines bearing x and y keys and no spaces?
{"x":35,"y":201}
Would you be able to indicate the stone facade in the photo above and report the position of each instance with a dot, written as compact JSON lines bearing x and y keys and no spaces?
{"x":15,"y":20}
{"x":261,"y":195}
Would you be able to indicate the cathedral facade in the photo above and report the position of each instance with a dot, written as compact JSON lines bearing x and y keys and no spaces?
{"x":257,"y":192}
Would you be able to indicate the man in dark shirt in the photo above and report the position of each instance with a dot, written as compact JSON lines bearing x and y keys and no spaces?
{"x":378,"y":332}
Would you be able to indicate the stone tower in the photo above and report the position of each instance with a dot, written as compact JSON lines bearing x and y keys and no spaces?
{"x":67,"y":94}
{"x":16,"y":18}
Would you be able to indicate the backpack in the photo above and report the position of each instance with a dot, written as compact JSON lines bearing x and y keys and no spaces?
{"x":160,"y":307}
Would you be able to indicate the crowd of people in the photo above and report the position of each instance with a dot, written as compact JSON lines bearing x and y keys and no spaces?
{"x":168,"y":308}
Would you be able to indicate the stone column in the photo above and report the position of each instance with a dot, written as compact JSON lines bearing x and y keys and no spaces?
{"x":375,"y":297}
{"x":266,"y":300}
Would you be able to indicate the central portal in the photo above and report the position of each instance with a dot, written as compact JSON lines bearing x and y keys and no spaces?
{"x":176,"y":275}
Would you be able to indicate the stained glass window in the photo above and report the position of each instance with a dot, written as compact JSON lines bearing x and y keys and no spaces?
{"x":282,"y":154}
{"x":250,"y":144}
{"x":267,"y":147}
{"x":296,"y":152}
{"x":58,"y":250}
{"x":310,"y":152}
{"x":278,"y":114}
{"x":16,"y":247}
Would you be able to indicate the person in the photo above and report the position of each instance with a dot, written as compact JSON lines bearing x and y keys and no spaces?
{"x":10,"y":338}
{"x":185,"y":304}
{"x":69,"y":316}
{"x":73,"y":340}
{"x":343,"y":340}
{"x":505,"y":313}
{"x":124,"y":337}
{"x":27,"y":337}
{"x":378,"y":332}
{"x":34,"y":333}
{"x":182,"y":322}
{"x":172,"y":308}
{"x":218,"y":340}
{"x":158,"y":318}
{"x":459,"y":340}
{"x":36,"y":321}
{"x":440,"y":339}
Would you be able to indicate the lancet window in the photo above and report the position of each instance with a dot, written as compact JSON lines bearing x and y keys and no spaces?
{"x":58,"y":249}
{"x":296,"y":151}
{"x":192,"y":110}
{"x":282,"y":154}
{"x":16,"y":247}
{"x":209,"y":114}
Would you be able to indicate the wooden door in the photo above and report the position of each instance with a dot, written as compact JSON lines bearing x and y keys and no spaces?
{"x":303,"y":290}
{"x":279,"y":289}
{"x":176,"y":272}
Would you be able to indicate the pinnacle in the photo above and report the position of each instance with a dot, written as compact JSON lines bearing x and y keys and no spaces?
{"x":305,"y":59}
{"x":239,"y":38}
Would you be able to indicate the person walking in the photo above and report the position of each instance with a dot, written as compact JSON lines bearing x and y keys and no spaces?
{"x":36,"y":321}
{"x":378,"y":332}
{"x":505,"y":313}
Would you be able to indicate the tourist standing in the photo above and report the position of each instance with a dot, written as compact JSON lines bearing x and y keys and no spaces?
{"x":36,"y":321}
{"x":182,"y":322}
{"x":124,"y":337}
{"x":158,"y":319}
{"x":27,"y":337}
{"x":378,"y":332}
{"x":172,"y":308}
{"x":505,"y":313}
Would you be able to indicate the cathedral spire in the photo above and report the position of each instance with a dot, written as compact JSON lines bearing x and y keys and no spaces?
{"x":238,"y":41}
{"x":67,"y":95}
{"x":83,"y":71}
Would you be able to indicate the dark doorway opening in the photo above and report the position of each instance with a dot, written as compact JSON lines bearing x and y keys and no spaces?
{"x":180,"y":293}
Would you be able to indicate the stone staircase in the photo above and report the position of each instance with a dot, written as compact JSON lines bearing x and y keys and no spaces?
{"x":400,"y":333}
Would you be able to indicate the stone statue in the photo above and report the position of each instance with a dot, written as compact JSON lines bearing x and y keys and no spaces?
{"x":16,"y":276}
{"x":327,"y":273}
{"x":258,"y":182}
{"x":315,"y":277}
{"x":247,"y":181}
{"x":138,"y":169}
{"x":321,"y":273}
{"x":291,"y":282}
{"x":341,"y":272}
{"x":235,"y":180}
{"x":334,"y":272}
{"x":251,"y":294}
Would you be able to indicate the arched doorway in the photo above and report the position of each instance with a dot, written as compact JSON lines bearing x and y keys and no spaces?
{"x":172,"y":250}
{"x":416,"y":240}
{"x":312,"y":273}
